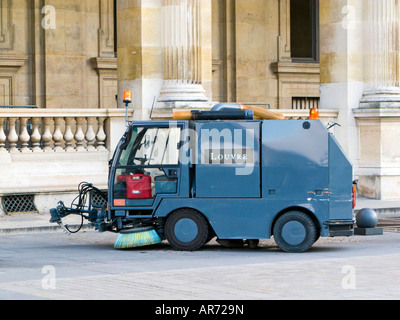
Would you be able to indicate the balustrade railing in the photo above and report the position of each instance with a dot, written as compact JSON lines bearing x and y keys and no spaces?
{"x":324,"y":114}
{"x":56,"y":130}
{"x":69,"y":130}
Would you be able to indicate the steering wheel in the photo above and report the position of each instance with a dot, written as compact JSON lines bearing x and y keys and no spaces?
{"x":142,"y":160}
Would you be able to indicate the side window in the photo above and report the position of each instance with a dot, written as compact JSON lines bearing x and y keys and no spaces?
{"x":168,"y":144}
{"x":152,"y":147}
{"x":159,"y":146}
{"x":127,"y":152}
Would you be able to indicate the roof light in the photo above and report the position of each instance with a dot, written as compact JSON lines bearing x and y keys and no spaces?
{"x":127,"y":97}
{"x":314,"y":114}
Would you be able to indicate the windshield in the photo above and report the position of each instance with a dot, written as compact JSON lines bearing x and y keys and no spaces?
{"x":151,"y":147}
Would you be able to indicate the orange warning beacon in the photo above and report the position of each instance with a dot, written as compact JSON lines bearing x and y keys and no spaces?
{"x":127,"y":97}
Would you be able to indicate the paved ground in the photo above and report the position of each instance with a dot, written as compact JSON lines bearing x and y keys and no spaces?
{"x":85,"y":266}
{"x":39,"y":261}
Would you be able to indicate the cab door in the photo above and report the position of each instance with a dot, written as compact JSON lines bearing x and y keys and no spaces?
{"x":147,"y":166}
{"x":228,"y":163}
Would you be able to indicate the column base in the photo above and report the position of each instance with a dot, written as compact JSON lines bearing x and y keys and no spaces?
{"x":381,"y":98}
{"x":379,"y":162}
{"x":2,"y":212}
{"x":380,"y":187}
{"x":175,"y":95}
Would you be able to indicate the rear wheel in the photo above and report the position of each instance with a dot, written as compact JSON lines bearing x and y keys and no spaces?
{"x":186,"y":230}
{"x":295,"y":232}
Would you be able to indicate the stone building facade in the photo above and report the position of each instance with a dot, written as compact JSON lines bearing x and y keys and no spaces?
{"x":63,"y":65}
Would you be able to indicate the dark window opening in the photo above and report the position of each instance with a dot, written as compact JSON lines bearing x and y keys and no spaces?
{"x":304,"y":103}
{"x":115,"y":29}
{"x":304,"y":25}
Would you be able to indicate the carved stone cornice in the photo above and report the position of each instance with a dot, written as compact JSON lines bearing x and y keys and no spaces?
{"x":104,"y":63}
{"x":292,"y":68}
{"x":12,"y":60}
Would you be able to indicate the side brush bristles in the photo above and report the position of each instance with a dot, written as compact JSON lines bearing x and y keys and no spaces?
{"x":139,"y":237}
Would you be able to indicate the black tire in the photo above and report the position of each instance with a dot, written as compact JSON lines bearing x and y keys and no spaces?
{"x":186,"y":230}
{"x":295,"y":232}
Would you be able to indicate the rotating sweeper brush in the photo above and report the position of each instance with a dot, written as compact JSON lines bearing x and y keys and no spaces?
{"x":131,"y":234}
{"x":83,"y":206}
{"x":137,"y":237}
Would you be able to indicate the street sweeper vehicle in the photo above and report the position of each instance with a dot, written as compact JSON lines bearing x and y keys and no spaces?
{"x":237,"y":173}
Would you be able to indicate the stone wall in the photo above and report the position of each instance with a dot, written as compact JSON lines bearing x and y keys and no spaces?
{"x":61,"y":55}
{"x":47,"y":50}
{"x":252,"y":55}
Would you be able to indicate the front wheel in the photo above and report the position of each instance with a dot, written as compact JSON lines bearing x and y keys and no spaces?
{"x":186,"y":230}
{"x":295,"y":232}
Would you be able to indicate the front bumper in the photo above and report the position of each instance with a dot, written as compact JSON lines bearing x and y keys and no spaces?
{"x":340,"y":228}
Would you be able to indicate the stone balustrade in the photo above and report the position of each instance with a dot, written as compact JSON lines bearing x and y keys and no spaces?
{"x":57,"y":130}
{"x":46,"y":153}
{"x":68,"y":130}
{"x":324,"y":114}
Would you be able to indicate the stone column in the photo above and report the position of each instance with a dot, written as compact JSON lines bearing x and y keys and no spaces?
{"x":183,"y":25}
{"x":381,"y":60}
{"x":341,"y":64}
{"x":139,"y":54}
{"x":378,"y":115}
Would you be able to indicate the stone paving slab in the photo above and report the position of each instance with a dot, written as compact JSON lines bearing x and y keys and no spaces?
{"x":297,"y":280}
{"x":87,"y":267}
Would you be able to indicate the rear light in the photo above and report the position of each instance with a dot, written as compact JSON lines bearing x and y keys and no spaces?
{"x":354,"y":195}
{"x":314,"y":114}
{"x":119,"y":203}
